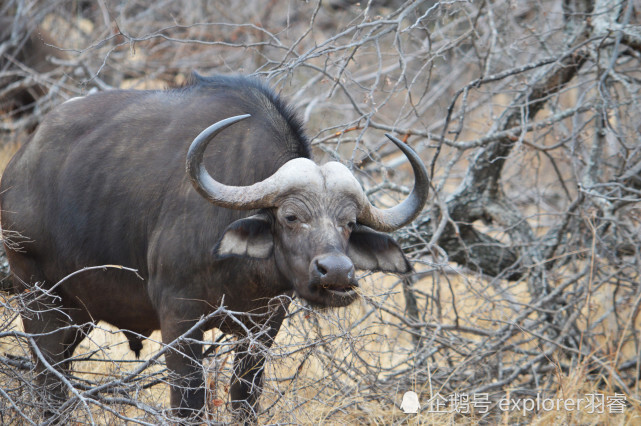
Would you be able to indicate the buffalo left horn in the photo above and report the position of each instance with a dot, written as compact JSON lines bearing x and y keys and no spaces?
{"x":400,"y":215}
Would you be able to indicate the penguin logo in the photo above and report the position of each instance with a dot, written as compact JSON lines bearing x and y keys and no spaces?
{"x":410,"y":404}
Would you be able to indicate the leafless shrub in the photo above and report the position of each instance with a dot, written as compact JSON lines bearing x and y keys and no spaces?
{"x":528,"y":261}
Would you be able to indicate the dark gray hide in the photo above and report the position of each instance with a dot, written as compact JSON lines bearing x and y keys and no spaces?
{"x":103,"y":181}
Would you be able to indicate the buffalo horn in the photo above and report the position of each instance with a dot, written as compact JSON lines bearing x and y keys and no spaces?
{"x":400,"y":215}
{"x":258,"y":195}
{"x":262,"y":194}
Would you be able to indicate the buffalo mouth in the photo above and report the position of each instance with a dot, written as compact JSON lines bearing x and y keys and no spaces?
{"x":329,"y":296}
{"x":341,"y":290}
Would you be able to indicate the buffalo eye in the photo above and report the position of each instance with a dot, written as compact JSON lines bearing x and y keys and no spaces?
{"x":291,"y":218}
{"x":348,"y":226}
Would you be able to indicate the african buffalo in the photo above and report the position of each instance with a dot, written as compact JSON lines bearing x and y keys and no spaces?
{"x":103,"y":181}
{"x":32,"y":53}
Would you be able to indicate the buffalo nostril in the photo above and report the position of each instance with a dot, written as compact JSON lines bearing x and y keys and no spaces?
{"x":321,"y":269}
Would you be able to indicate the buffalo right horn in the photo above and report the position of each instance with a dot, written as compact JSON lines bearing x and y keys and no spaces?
{"x":259,"y":195}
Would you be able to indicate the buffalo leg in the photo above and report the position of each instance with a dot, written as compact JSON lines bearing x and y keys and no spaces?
{"x":54,"y":335}
{"x":247,"y":383}
{"x":55,"y":339}
{"x":184,"y":360}
{"x":247,"y":379}
{"x":72,"y":339}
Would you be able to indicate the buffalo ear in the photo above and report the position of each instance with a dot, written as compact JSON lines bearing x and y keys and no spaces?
{"x":374,"y":251}
{"x":250,"y":237}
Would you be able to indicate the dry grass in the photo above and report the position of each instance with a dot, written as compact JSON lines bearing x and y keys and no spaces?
{"x":335,"y":366}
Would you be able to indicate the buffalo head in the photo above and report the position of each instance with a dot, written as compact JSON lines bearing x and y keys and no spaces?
{"x":315,"y":221}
